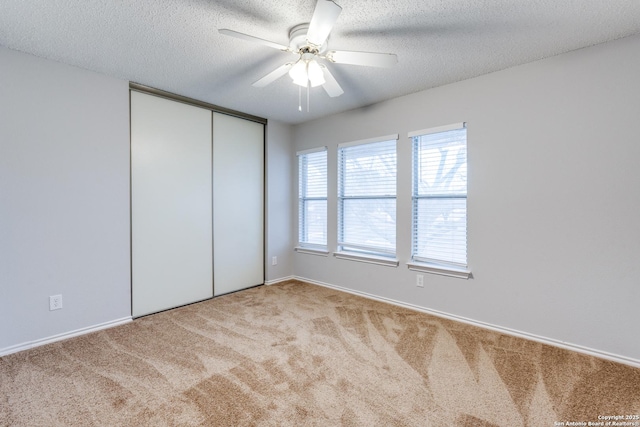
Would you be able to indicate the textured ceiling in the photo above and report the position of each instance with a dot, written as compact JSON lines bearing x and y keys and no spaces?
{"x":174,"y":45}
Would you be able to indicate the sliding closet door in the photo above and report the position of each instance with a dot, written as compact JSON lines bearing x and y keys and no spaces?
{"x":171,"y":204}
{"x":238,"y":200}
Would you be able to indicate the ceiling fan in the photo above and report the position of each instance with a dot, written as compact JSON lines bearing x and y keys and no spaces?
{"x":309,"y":43}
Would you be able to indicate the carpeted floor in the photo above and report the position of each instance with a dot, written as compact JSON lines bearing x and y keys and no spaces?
{"x":295,"y":354}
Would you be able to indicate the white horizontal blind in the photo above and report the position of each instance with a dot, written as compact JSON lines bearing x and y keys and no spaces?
{"x":367,"y":198}
{"x":312,"y":199}
{"x":440,"y":197}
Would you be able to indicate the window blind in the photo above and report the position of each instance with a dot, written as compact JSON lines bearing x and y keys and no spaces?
{"x":312,"y":198}
{"x":440,"y":197}
{"x":367,"y":198}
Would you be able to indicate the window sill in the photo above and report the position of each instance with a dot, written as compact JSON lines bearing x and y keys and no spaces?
{"x":439,"y":269}
{"x":371,"y":259}
{"x":311,"y":251}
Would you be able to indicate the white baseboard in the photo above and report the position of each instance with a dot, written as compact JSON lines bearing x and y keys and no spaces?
{"x":82,"y":331}
{"x":507,"y":331}
{"x":282,"y":279}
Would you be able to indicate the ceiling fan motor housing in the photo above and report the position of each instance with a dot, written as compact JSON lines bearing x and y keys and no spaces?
{"x":298,"y":41}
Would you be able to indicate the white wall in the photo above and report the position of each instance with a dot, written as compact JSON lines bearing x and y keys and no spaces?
{"x":554,"y":199}
{"x":280,"y":190}
{"x":64,"y":198}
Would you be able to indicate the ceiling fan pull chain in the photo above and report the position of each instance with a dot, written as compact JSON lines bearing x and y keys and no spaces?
{"x":307,"y":97}
{"x":299,"y":98}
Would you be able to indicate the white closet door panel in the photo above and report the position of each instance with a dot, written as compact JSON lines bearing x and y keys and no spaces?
{"x":238,"y":200}
{"x":171,"y":204}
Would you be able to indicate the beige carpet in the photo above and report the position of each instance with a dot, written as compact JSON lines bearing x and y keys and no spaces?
{"x":296,"y":354}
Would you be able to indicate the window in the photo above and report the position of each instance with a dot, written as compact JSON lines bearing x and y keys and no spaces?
{"x":367,"y":197}
{"x":312,"y":199}
{"x":440,"y":198}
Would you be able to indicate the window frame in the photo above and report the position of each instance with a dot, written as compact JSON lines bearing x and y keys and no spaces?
{"x":303,"y":245}
{"x":425,"y":264}
{"x":354,"y":251}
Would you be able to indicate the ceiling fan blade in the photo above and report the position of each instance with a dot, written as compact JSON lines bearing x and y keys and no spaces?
{"x":253,"y":39}
{"x":363,"y":58}
{"x":274,"y":75}
{"x":324,"y":16}
{"x":331,"y":86}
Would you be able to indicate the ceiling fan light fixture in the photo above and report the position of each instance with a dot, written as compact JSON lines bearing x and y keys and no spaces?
{"x":316,"y":76}
{"x":299,"y":73}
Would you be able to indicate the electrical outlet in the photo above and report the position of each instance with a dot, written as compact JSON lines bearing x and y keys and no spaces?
{"x":420,"y":281}
{"x":55,"y":302}
{"x":274,"y":260}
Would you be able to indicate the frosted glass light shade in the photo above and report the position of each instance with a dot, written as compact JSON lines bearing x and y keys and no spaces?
{"x":299,"y":73}
{"x":314,"y":71}
{"x":301,"y":82}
